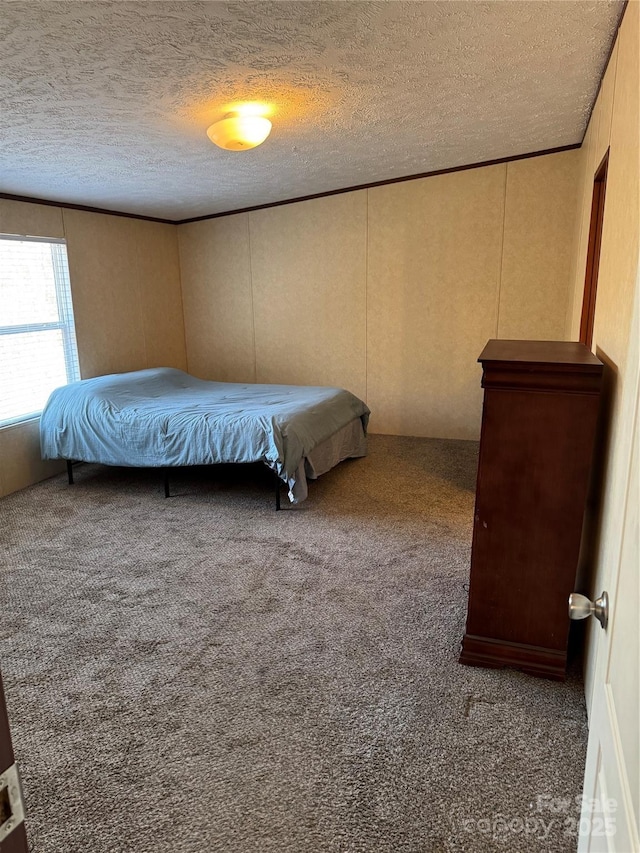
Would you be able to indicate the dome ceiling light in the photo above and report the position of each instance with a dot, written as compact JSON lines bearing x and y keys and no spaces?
{"x":239,"y":132}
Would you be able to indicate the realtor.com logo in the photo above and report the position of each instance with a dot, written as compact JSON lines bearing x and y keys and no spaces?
{"x":548,"y":817}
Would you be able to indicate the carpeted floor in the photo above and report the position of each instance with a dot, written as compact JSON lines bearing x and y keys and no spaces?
{"x":203,"y":674}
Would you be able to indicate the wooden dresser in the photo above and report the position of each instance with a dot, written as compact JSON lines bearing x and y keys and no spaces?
{"x":541,"y":401}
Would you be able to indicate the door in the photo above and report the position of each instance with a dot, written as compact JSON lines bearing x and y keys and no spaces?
{"x":611,"y":805}
{"x":13,"y":838}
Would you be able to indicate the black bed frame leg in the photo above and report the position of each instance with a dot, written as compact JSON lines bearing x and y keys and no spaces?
{"x":70,"y":471}
{"x":165,"y":472}
{"x":277,"y":493}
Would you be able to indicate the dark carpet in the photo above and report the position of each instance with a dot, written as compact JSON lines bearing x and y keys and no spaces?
{"x":204,"y":674}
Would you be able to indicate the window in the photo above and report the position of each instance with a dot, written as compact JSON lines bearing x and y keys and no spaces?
{"x":38,"y":350}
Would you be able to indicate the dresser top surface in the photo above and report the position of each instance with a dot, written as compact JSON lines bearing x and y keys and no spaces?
{"x":540,"y":352}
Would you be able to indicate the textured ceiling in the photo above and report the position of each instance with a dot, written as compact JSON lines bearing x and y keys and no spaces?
{"x":107,"y":103}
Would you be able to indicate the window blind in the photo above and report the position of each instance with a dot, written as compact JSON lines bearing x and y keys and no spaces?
{"x":38,"y":349}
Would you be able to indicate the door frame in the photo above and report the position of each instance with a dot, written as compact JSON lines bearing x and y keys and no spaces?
{"x":593,"y":252}
{"x":16,"y":840}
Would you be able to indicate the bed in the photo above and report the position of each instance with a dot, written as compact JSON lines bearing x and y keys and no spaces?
{"x":164,"y":418}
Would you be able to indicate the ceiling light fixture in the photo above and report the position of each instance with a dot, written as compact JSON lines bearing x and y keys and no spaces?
{"x":239,"y":132}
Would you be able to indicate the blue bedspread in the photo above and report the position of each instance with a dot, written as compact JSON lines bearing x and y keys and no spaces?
{"x":165,"y":417}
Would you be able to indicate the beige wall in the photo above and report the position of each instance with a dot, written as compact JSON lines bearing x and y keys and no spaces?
{"x":615,"y":124}
{"x":434,"y":252}
{"x":391,"y":292}
{"x":125,"y":282}
{"x":218,"y":300}
{"x":309,"y":292}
